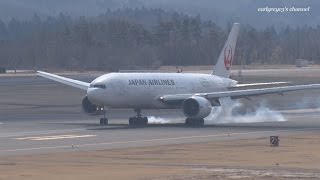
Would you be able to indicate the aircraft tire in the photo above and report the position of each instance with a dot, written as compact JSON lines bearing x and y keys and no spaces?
{"x":200,"y":122}
{"x":145,"y":121}
{"x":103,"y":121}
{"x":132,"y":121}
{"x":194,"y":122}
{"x":188,"y":122}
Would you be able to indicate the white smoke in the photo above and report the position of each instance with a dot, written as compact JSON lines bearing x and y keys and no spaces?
{"x":307,"y":103}
{"x":157,"y":120}
{"x":226,"y":113}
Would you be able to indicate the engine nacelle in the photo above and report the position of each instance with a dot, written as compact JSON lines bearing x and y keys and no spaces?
{"x":196,"y":107}
{"x":90,"y":108}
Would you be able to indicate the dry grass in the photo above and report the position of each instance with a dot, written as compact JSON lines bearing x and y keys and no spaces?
{"x":297,"y":156}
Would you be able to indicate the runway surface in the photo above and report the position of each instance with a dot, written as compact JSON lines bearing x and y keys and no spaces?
{"x":41,"y":137}
{"x":40,"y":116}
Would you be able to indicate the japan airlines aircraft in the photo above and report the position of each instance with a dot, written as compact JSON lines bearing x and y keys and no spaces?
{"x":194,"y":93}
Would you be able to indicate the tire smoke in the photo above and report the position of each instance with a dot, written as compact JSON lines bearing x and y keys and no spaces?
{"x":157,"y":120}
{"x":307,"y":103}
{"x":227,"y":113}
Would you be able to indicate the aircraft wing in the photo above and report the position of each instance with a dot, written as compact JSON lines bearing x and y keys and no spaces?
{"x":240,"y":93}
{"x":64,"y":80}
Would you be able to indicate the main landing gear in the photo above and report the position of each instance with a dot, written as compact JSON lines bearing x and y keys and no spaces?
{"x":103,"y":120}
{"x":194,"y":122}
{"x":138,"y":120}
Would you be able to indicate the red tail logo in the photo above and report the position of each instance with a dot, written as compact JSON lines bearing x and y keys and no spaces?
{"x":228,"y":57}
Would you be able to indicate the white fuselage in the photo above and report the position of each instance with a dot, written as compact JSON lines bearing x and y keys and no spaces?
{"x":142,"y":90}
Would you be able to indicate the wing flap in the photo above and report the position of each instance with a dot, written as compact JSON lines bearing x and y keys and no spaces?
{"x":241,"y":93}
{"x":259,"y":84}
{"x":63,"y":80}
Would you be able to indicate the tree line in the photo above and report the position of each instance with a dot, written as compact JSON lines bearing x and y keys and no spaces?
{"x":144,"y":38}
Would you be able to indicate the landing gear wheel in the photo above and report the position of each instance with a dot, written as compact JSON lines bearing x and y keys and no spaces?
{"x":138,"y":120}
{"x":135,"y":121}
{"x":145,"y":121}
{"x":194,"y":122}
{"x":103,"y":121}
{"x":132,"y":121}
{"x":201,"y":122}
{"x":188,"y":122}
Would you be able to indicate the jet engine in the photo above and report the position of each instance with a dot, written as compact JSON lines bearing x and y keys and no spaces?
{"x":196,"y":107}
{"x":90,"y":108}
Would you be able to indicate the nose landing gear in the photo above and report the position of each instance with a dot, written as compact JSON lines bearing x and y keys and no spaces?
{"x":138,"y":120}
{"x":103,"y":120}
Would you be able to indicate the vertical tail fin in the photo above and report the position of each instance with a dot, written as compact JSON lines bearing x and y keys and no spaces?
{"x":224,"y":63}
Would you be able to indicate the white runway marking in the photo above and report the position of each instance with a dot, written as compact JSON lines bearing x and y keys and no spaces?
{"x":43,"y":138}
{"x":30,"y":133}
{"x":154,"y":140}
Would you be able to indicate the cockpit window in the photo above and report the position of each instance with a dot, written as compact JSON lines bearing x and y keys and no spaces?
{"x":101,"y":86}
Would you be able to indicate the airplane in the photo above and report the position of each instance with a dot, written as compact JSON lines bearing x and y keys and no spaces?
{"x":194,"y":93}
